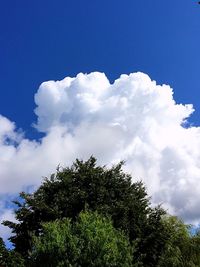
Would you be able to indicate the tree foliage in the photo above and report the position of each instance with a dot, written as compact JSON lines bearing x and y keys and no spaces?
{"x":10,"y":258}
{"x":109,"y":191}
{"x":2,"y":252}
{"x":158,"y":240}
{"x":91,"y":241}
{"x":182,"y":248}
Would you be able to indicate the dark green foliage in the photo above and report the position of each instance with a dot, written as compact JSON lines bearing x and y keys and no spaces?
{"x":182,"y":249}
{"x":194,"y":250}
{"x":153,"y":240}
{"x":9,"y":258}
{"x":3,"y":252}
{"x":91,"y":242}
{"x":107,"y":191}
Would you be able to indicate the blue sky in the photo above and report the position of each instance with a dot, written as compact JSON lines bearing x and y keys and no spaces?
{"x":140,"y":121}
{"x":44,"y":40}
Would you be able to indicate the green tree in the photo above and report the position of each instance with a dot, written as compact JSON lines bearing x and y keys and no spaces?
{"x":109,"y":191}
{"x":3,"y":252}
{"x":194,"y":251}
{"x":9,"y":258}
{"x":182,"y":248}
{"x":91,"y":241}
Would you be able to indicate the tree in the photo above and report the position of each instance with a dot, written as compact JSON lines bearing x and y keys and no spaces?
{"x":182,"y":249}
{"x":92,"y":241}
{"x":9,"y":258}
{"x":109,"y":191}
{"x":2,"y":252}
{"x":194,"y":250}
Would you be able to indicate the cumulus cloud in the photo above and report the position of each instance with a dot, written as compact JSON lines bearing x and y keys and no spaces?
{"x":133,"y":119}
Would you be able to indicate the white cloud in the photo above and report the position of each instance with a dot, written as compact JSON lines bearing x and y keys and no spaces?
{"x":6,"y":214}
{"x":132,"y":119}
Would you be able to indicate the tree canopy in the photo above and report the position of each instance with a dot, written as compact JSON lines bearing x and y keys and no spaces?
{"x":182,"y":248}
{"x":10,"y":258}
{"x":91,"y":241}
{"x":85,"y":196}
